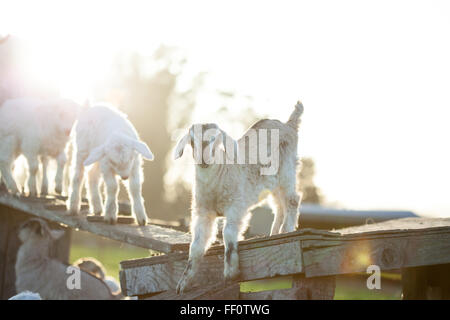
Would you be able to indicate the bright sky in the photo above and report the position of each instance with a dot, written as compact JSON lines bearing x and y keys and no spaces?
{"x":374,"y":76}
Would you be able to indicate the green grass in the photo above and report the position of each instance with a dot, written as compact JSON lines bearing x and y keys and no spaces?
{"x":110,"y":253}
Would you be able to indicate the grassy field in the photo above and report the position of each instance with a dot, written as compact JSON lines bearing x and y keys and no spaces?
{"x":110,"y":253}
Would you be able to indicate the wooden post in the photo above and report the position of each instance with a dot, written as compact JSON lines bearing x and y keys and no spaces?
{"x":10,"y":220}
{"x":428,"y":282}
{"x":316,"y":288}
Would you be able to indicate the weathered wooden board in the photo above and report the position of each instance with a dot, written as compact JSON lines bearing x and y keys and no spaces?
{"x":150,"y":236}
{"x":427,"y":282}
{"x":161,"y":273}
{"x":394,"y":226}
{"x":355,"y":255}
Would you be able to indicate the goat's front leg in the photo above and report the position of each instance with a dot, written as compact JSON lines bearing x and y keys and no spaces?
{"x":33,"y":167}
{"x":76,"y":184}
{"x":135,"y":193}
{"x":203,"y":234}
{"x":95,"y":200}
{"x":112,"y":192}
{"x":44,"y":184}
{"x":59,"y":177}
{"x":231,"y":231}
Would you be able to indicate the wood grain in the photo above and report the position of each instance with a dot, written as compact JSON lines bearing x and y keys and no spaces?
{"x":150,"y":236}
{"x":340,"y":257}
{"x":146,"y":276}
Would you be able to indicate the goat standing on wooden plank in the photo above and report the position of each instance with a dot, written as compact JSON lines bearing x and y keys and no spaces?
{"x":223,"y":187}
{"x":38,"y":129}
{"x":107,"y":140}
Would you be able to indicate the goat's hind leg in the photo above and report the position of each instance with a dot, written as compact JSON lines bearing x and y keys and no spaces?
{"x":203,"y":234}
{"x":279,"y":208}
{"x":6,"y":162}
{"x":292,"y":202}
{"x":134,"y":186}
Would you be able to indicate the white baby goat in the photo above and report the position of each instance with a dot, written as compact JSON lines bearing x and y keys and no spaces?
{"x":231,"y":190}
{"x":37,"y":272}
{"x":106,"y":139}
{"x":38,"y":129}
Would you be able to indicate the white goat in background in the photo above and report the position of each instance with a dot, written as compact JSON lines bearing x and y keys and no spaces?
{"x":231,"y":190}
{"x":106,"y":139}
{"x":38,"y":129}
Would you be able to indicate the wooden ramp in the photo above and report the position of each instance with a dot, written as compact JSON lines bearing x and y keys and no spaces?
{"x":153,"y":237}
{"x":313,"y":257}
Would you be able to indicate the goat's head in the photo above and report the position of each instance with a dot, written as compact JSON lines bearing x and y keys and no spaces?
{"x":209,"y":145}
{"x":37,"y":229}
{"x":120,"y":153}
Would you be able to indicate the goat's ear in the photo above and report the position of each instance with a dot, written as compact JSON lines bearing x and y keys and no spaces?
{"x":143,"y":149}
{"x":178,"y":152}
{"x":95,"y":155}
{"x":36,"y":226}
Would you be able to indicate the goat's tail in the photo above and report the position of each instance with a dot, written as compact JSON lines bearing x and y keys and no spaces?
{"x":294,"y":119}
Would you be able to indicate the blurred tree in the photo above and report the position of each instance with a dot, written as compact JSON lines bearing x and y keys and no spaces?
{"x":145,"y":89}
{"x":311,"y":193}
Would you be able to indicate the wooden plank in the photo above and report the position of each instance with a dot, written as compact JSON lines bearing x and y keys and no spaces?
{"x":427,"y":282}
{"x":145,"y":276}
{"x":388,"y":253}
{"x":150,"y":236}
{"x":396,"y":225}
{"x":308,"y":244}
{"x":318,"y":288}
{"x":209,"y":292}
{"x":257,"y":242}
{"x":4,"y":234}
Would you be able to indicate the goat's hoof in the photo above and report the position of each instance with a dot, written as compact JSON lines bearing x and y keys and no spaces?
{"x":58,"y":190}
{"x":229,"y":279}
{"x":111,"y":220}
{"x":183,"y":285}
{"x":73,"y":213}
{"x":142,"y":222}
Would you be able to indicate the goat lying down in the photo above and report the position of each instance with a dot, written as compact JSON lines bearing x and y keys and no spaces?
{"x":107,"y":141}
{"x":229,"y":189}
{"x":37,"y":272}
